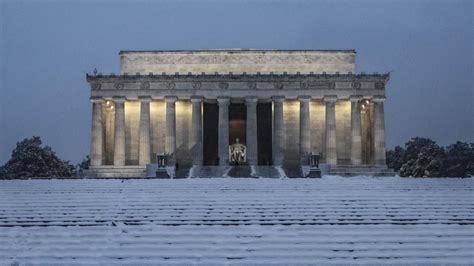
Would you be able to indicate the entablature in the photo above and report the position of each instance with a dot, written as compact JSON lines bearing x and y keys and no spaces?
{"x":237,"y":85}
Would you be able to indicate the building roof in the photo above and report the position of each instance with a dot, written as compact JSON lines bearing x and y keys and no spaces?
{"x":239,"y":50}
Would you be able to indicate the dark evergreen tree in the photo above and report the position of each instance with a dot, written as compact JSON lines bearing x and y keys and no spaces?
{"x":84,"y":165}
{"x":396,"y":158}
{"x":459,"y":160}
{"x":31,"y":159}
{"x":423,"y":158}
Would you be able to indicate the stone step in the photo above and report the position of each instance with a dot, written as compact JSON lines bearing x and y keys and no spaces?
{"x":360,"y":170}
{"x":182,"y":172}
{"x":266,"y":172}
{"x":364,"y":174}
{"x":109,"y":171}
{"x":360,"y":166}
{"x":364,"y":170}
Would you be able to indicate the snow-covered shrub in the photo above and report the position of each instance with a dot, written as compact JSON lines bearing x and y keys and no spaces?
{"x":422,"y":157}
{"x":83,"y":165}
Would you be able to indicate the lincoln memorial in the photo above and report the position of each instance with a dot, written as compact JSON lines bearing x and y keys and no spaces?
{"x":237,"y":112}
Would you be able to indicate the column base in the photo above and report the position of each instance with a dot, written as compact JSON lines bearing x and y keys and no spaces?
{"x":112,"y":171}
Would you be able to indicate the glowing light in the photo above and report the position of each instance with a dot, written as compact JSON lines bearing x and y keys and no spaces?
{"x":108,"y":103}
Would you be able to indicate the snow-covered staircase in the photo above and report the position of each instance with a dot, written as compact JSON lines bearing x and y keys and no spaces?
{"x":218,"y":221}
{"x":361,"y":170}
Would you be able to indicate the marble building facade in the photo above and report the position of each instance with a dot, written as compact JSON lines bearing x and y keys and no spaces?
{"x":282,"y":104}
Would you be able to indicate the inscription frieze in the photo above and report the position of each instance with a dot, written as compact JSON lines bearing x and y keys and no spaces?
{"x":278,"y":85}
{"x":252,"y":85}
{"x":96,"y":86}
{"x":317,"y":85}
{"x":379,"y":85}
{"x":356,"y":85}
{"x":145,"y":85}
{"x":118,"y":85}
{"x":196,"y":85}
{"x":223,"y":85}
{"x":170,"y":85}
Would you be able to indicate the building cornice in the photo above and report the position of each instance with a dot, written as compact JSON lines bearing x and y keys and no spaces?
{"x":211,"y":86}
{"x":237,"y":77}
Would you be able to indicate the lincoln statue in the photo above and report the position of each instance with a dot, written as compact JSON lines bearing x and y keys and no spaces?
{"x":208,"y":111}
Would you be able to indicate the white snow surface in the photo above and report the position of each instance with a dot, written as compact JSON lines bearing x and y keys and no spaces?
{"x":227,"y":221}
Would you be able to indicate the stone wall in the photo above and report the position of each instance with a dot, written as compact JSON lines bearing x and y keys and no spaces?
{"x":237,"y":61}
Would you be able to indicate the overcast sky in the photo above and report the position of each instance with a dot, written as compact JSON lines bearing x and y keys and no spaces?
{"x":47,"y":47}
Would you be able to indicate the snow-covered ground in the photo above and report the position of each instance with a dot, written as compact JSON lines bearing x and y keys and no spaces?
{"x":237,"y":221}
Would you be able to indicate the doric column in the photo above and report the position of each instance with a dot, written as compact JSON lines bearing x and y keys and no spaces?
{"x":223,"y":134}
{"x":379,"y":131}
{"x":251,"y":133}
{"x":305,"y":140}
{"x":197,"y":130}
{"x":119,"y":137}
{"x":331,"y":151}
{"x":356,"y":138}
{"x":170,"y":143}
{"x":144,"y":148}
{"x":278,"y":130}
{"x":97,"y":130}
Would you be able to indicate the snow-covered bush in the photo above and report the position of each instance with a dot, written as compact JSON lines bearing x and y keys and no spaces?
{"x":422,"y":157}
{"x":31,"y":159}
{"x":396,"y":158}
{"x":459,"y":160}
{"x":83,"y":165}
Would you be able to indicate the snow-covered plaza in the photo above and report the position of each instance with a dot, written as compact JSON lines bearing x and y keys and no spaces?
{"x":332,"y":220}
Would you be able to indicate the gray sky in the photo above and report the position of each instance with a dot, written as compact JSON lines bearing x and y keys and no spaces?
{"x":48,"y":46}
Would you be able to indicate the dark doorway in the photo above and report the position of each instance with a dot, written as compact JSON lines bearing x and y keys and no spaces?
{"x":264,"y":133}
{"x":210,"y":133}
{"x":237,"y":123}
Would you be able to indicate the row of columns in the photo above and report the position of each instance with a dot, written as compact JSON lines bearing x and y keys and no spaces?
{"x":251,"y":130}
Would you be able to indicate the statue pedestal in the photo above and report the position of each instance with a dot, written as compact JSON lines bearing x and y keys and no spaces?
{"x":314,"y":173}
{"x":314,"y":170}
{"x":162,"y":173}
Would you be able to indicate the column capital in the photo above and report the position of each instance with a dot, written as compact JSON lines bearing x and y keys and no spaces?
{"x":223,"y":100}
{"x":118,"y":99}
{"x":251,"y":100}
{"x":171,"y":99}
{"x":355,"y":98}
{"x":278,"y":98}
{"x":97,"y":99}
{"x":304,"y":98}
{"x":196,"y":99}
{"x":378,"y":99}
{"x":144,"y":99}
{"x":330,"y":98}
